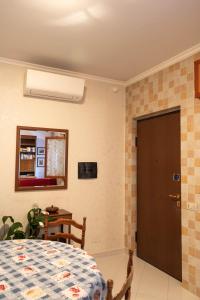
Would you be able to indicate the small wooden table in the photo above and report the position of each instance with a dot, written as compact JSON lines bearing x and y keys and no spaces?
{"x":62,"y":213}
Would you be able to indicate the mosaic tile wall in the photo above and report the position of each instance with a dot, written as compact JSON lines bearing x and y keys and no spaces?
{"x":169,"y":88}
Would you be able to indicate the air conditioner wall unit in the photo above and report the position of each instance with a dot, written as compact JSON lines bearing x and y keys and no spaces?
{"x":53,"y":86}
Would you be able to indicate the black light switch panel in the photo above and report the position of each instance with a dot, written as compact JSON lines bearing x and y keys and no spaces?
{"x":87,"y":170}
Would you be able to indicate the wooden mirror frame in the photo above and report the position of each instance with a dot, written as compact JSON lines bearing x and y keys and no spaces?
{"x":33,"y":188}
{"x":197,"y":78}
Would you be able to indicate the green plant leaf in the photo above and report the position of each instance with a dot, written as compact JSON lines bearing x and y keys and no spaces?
{"x":13,"y":228}
{"x":5,"y":218}
{"x":34,"y":217}
{"x":19,"y":234}
{"x":33,"y":214}
{"x":30,"y":215}
{"x":40,"y":218}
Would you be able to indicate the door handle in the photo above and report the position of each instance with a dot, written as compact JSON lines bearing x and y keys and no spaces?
{"x":174,"y":197}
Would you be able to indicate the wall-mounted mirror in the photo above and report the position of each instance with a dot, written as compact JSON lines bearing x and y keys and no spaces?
{"x":41,"y":158}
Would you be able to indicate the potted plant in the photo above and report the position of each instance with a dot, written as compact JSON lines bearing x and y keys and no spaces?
{"x":13,"y":231}
{"x":35,"y":222}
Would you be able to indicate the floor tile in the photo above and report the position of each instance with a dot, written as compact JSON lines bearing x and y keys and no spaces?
{"x":149,"y":283}
{"x":175,"y":291}
{"x":154,"y":283}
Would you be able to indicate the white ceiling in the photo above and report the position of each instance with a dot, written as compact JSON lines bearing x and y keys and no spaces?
{"x":116,"y":39}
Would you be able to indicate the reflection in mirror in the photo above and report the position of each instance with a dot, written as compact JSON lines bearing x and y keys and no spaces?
{"x":41,"y":158}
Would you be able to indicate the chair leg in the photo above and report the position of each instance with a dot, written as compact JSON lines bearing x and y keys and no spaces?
{"x":128,"y":294}
{"x":109,"y":289}
{"x":83,"y":233}
{"x":130,"y":262}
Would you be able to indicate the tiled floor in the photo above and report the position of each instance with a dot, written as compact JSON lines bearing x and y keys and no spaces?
{"x":149,"y":283}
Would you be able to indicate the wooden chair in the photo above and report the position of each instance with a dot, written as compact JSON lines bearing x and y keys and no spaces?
{"x":66,"y":236}
{"x":126,"y":288}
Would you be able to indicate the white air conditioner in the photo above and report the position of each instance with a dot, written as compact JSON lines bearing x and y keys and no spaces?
{"x":53,"y":86}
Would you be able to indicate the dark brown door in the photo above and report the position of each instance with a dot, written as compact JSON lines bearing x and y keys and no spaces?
{"x":158,"y":193}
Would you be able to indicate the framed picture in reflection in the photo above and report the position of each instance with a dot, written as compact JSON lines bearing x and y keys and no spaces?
{"x":40,"y":150}
{"x":40,"y":161}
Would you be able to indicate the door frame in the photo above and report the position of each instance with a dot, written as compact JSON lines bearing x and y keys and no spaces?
{"x":130,"y":173}
{"x":146,"y":117}
{"x":158,"y":113}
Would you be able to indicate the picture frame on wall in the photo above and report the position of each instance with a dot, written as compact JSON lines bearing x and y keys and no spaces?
{"x":40,"y":150}
{"x":197,"y":78}
{"x":40,"y":161}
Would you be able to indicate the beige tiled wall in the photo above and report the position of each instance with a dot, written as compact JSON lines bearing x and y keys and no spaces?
{"x":166,"y":89}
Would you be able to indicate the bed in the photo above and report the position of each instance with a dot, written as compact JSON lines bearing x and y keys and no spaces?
{"x":37,"y":181}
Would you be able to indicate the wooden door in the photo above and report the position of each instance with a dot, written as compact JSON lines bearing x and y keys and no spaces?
{"x":158,"y":193}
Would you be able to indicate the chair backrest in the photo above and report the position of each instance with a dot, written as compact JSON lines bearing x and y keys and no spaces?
{"x":126,"y":288}
{"x":67,"y":236}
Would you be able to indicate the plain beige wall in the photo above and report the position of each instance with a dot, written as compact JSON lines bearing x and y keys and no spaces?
{"x":96,"y":133}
